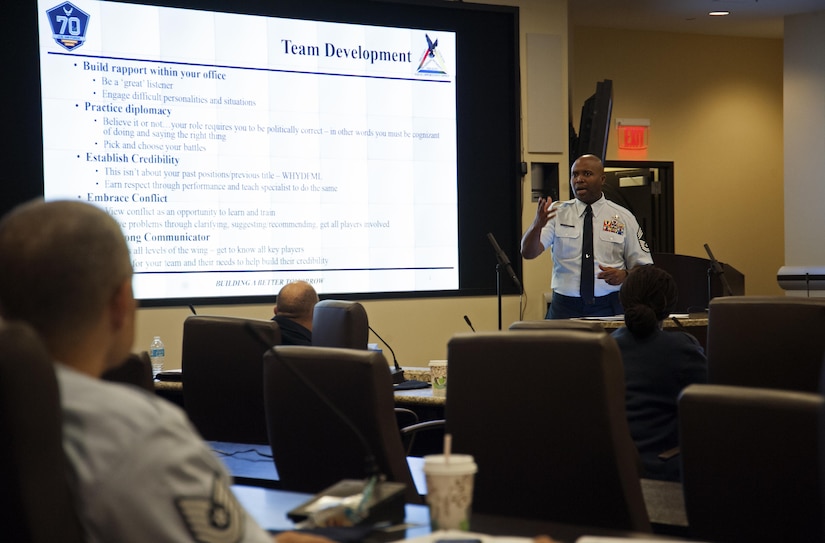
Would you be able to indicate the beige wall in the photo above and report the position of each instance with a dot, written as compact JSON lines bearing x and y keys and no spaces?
{"x":418,"y":329}
{"x":715,"y":108}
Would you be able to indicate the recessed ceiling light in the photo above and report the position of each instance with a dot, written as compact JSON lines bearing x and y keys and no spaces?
{"x":718,"y":13}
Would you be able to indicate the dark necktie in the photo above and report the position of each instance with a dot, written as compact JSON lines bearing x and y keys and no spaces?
{"x":587,"y":277}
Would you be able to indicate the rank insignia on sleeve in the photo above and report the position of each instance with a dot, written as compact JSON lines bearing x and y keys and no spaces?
{"x":640,"y":235}
{"x":217,"y":518}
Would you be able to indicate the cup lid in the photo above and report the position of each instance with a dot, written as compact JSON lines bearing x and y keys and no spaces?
{"x":463,"y":463}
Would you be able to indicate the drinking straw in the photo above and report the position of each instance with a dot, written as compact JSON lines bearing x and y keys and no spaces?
{"x":448,"y":443}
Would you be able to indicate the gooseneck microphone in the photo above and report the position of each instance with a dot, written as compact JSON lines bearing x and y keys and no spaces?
{"x":399,"y":382}
{"x":678,"y":323}
{"x":504,"y":261}
{"x":467,"y":320}
{"x":192,"y":309}
{"x":720,"y":272}
{"x":398,"y":373}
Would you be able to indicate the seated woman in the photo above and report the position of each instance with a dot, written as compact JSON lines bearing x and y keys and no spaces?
{"x":657,"y":365}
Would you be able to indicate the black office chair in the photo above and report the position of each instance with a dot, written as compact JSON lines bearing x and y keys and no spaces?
{"x":340,"y":323}
{"x":222,"y":369}
{"x":36,"y":504}
{"x":766,"y":341}
{"x":751,"y":468}
{"x":136,"y":370}
{"x":312,"y":445}
{"x":544,"y":416}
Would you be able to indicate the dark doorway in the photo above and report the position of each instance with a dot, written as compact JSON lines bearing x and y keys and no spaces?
{"x":646,"y":189}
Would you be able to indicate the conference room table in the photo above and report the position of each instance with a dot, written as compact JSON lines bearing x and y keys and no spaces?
{"x":422,"y":398}
{"x":269,"y":508}
{"x":252,"y":465}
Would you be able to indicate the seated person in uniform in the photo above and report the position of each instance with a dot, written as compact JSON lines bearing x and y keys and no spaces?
{"x":658,"y":364}
{"x":293,"y":311}
{"x":139,"y":470}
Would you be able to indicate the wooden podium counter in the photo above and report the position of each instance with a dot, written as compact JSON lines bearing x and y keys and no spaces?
{"x":696,"y":281}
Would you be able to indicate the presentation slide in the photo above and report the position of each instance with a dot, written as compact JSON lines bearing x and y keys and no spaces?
{"x":242,"y":152}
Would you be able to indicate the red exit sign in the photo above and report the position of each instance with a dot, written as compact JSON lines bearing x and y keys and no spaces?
{"x":632,"y":134}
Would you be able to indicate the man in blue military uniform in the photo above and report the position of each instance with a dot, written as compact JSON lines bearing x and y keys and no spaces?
{"x":590,"y":261}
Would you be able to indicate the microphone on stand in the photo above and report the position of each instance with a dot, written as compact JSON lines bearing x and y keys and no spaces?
{"x":504,"y":261}
{"x":397,"y":373}
{"x":467,"y":320}
{"x":679,"y":324}
{"x":399,"y":382}
{"x":720,"y":272}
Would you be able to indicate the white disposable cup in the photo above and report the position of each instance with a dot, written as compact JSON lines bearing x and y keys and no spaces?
{"x":450,"y":490}
{"x":438,"y":377}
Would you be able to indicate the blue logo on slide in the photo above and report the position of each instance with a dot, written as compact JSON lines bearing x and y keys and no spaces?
{"x":432,"y":62}
{"x":69,"y":24}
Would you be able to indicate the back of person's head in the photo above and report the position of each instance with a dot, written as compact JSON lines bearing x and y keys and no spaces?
{"x":296,"y":300}
{"x":648,"y":295}
{"x":61,"y":264}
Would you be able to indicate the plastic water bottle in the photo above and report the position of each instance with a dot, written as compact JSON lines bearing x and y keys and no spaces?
{"x":157,"y":353}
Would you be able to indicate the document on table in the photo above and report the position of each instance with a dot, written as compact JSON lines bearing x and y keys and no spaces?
{"x":457,"y":536}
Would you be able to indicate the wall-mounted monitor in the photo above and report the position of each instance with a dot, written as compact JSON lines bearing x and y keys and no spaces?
{"x":594,"y":124}
{"x":243,"y":144}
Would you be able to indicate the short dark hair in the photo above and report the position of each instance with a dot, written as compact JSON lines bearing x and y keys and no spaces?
{"x":60,"y":264}
{"x":648,"y":295}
